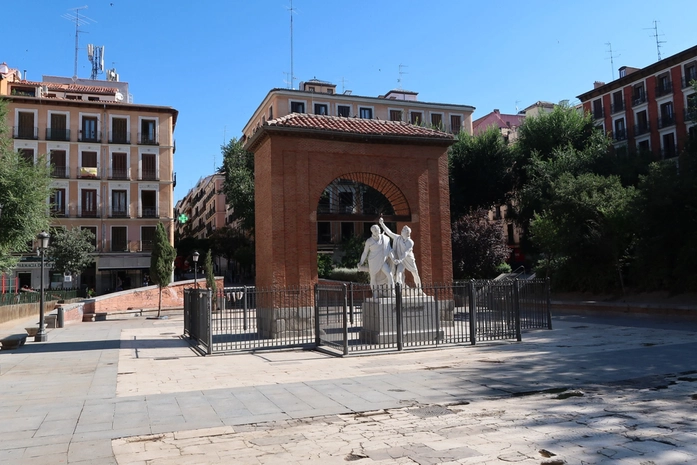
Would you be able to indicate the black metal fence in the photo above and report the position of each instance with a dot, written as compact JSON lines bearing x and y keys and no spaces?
{"x":33,"y":296}
{"x":346,"y":318}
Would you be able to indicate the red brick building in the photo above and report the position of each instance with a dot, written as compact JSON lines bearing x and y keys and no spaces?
{"x":648,"y":108}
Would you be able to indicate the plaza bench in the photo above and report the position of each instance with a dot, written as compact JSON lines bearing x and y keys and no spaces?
{"x":13,"y":341}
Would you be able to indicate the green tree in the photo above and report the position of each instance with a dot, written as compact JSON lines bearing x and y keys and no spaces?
{"x":210,"y":278}
{"x":238,"y":166}
{"x":480,"y":172}
{"x":71,"y":250}
{"x":24,"y":189}
{"x":161,"y":262}
{"x":479,"y":246}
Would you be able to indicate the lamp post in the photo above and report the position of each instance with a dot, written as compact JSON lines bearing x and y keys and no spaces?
{"x":41,"y":335}
{"x":195,"y":258}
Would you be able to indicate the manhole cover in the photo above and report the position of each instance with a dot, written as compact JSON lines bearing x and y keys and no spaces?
{"x":430,"y":411}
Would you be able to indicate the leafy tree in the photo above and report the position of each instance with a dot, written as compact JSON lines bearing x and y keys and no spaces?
{"x":161,"y":262}
{"x":210,"y":277}
{"x":351,"y":250}
{"x":480,"y":172}
{"x":325,"y":265}
{"x":479,"y":246}
{"x":71,"y":250}
{"x":238,"y":166}
{"x":24,"y":188}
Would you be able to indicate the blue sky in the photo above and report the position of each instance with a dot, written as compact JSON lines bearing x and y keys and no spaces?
{"x":214,"y":61}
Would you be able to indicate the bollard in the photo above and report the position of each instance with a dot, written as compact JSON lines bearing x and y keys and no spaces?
{"x":60,"y":318}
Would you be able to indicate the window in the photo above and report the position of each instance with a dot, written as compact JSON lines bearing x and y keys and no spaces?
{"x":59,"y":129}
{"x":89,"y":203}
{"x":119,"y":239}
{"x":597,"y":109}
{"x":271,"y":112}
{"x":25,"y":125}
{"x":666,"y":117}
{"x":148,"y":132}
{"x":669,"y":145}
{"x":330,"y":91}
{"x":119,"y":204}
{"x":638,"y":94}
{"x":455,"y":124}
{"x":119,"y":131}
{"x":324,"y":232}
{"x":497,"y":213}
{"x":27,"y":154}
{"x":437,"y":120}
{"x":148,"y":201}
{"x":690,"y":74}
{"x":395,"y":115}
{"x":59,"y":168}
{"x":89,"y":129}
{"x":344,"y":110}
{"x":58,"y":202}
{"x":147,"y":237}
{"x":642,"y":126}
{"x":365,"y":113}
{"x":510,"y":233}
{"x":416,"y":117}
{"x":119,"y":165}
{"x":617,"y":102}
{"x":620,"y":133}
{"x":346,"y":231}
{"x":149,"y":161}
{"x":297,"y":107}
{"x":93,"y":230}
{"x":321,"y":109}
{"x":664,"y":86}
{"x":311,"y":88}
{"x":89,"y":165}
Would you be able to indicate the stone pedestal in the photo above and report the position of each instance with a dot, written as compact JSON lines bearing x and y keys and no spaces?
{"x":285,"y":323}
{"x":419,"y":320}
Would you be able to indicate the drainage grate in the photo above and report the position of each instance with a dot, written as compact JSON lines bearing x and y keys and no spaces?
{"x":430,"y":411}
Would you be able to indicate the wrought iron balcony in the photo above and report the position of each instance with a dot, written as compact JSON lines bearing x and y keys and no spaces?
{"x":88,"y":172}
{"x":638,"y":99}
{"x":62,"y":172}
{"x":666,"y":121}
{"x":119,"y":213}
{"x":117,"y":173}
{"x":148,"y":175}
{"x":119,"y":137}
{"x":88,"y":214}
{"x":640,"y":129}
{"x":664,"y":89}
{"x":146,"y":245}
{"x":149,"y":212}
{"x":690,"y":115}
{"x":147,"y":139}
{"x":599,"y":113}
{"x":687,"y":81}
{"x":26,"y":132}
{"x":619,"y":135}
{"x":58,"y":134}
{"x":617,"y":107}
{"x":88,"y":136}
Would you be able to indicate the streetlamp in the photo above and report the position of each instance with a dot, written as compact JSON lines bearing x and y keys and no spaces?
{"x":41,"y":335}
{"x":195,"y":258}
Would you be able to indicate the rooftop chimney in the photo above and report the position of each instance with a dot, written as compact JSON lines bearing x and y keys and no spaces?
{"x":597,"y":84}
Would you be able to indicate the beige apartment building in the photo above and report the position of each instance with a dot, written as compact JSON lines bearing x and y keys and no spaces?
{"x":112,"y":169}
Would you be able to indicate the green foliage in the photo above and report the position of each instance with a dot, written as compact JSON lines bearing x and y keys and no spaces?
{"x":210,"y":275}
{"x":161,"y":261}
{"x":349,"y":275}
{"x":480,"y":172}
{"x":351,"y":250}
{"x":24,"y":189}
{"x":238,"y":166}
{"x":324,"y":265}
{"x":479,"y":246}
{"x":71,"y":250}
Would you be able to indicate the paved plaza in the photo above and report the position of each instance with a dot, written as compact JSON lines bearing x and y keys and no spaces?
{"x":619,"y":390}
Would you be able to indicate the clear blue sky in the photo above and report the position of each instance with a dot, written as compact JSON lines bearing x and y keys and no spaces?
{"x":214,"y":61}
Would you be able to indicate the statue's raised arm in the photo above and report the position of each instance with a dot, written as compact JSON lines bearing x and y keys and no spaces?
{"x":384,"y":227}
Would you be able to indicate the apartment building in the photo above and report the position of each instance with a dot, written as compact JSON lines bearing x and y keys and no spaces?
{"x":648,"y":108}
{"x":204,"y":207}
{"x":112,"y":168}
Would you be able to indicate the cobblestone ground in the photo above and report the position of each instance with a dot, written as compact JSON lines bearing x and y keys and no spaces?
{"x":643,"y":421}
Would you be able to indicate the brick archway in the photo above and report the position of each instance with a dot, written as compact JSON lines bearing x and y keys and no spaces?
{"x":297,"y":156}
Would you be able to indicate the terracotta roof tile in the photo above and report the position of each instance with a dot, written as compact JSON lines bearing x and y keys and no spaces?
{"x":57,"y":87}
{"x":355,"y":126}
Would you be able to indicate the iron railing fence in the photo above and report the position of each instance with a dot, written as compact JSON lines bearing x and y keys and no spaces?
{"x":33,"y":296}
{"x":345,"y":318}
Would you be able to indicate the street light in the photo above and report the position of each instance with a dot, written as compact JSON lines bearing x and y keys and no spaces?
{"x":195,"y":258}
{"x":41,"y":335}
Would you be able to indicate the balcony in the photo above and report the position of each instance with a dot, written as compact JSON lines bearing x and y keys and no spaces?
{"x":88,"y":214}
{"x":690,"y":116}
{"x":61,"y":172}
{"x":122,"y":174}
{"x":664,"y":89}
{"x":149,"y":212}
{"x":89,"y":136}
{"x":147,"y":139}
{"x":641,"y":129}
{"x":599,"y":113}
{"x":146,"y":245}
{"x":149,"y":175}
{"x":617,"y":107}
{"x":619,"y":135}
{"x":26,"y":132}
{"x":119,"y":213}
{"x":119,"y":246}
{"x":666,"y":121}
{"x":58,"y":134}
{"x":88,"y":172}
{"x":119,"y":137}
{"x":58,"y":212}
{"x":638,"y":99}
{"x":687,"y":80}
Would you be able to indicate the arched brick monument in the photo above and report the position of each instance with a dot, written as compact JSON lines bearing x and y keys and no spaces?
{"x":297,"y":156}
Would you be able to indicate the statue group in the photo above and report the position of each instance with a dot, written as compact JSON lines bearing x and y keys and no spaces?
{"x":387,"y":263}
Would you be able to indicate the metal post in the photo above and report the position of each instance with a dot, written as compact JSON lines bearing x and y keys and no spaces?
{"x":195,"y":275}
{"x":345,"y":318}
{"x":398,"y":310}
{"x":438,"y":329}
{"x":473,"y":312}
{"x":516,"y":309}
{"x":549,"y":303}
{"x":318,"y":340}
{"x":41,"y":335}
{"x":209,"y":312}
{"x":244,"y":311}
{"x":351,"y":302}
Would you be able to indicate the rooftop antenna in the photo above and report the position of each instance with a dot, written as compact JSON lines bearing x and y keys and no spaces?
{"x":516,"y":106}
{"x":656,"y":35}
{"x":343,"y":84}
{"x":612,"y":58}
{"x":292,"y":75}
{"x":79,"y":21}
{"x":96,"y":57}
{"x":401,"y":72}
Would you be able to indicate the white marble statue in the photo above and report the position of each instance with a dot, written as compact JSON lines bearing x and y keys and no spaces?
{"x":403,"y":252}
{"x":378,"y":253}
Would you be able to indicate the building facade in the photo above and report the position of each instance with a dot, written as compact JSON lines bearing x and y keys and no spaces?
{"x":204,"y":207}
{"x":647,"y":109}
{"x":111,"y":163}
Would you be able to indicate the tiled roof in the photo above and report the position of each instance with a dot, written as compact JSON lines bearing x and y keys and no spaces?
{"x":497,"y":120}
{"x":355,"y":126}
{"x":56,"y":87}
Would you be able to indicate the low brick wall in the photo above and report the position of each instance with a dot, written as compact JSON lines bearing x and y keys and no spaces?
{"x":72,"y":312}
{"x":143,"y":298}
{"x":21,"y":311}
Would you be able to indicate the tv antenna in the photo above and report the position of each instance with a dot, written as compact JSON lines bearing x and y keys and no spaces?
{"x":656,"y":36}
{"x":401,"y":73}
{"x":612,"y":58}
{"x":292,"y":75}
{"x":96,"y":57}
{"x":343,"y":84}
{"x":79,"y":21}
